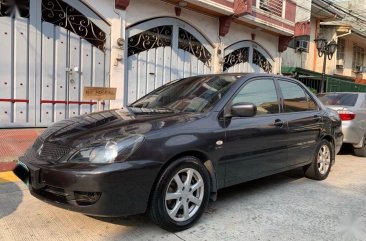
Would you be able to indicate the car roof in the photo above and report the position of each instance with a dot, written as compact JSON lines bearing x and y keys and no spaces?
{"x":249,"y":75}
{"x":344,"y":93}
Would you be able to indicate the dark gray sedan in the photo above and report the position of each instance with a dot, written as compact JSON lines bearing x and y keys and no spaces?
{"x":169,"y":152}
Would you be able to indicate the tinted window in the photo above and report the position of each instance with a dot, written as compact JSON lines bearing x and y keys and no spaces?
{"x":344,"y":99}
{"x":194,"y":94}
{"x":295,"y":98}
{"x":262,"y":93}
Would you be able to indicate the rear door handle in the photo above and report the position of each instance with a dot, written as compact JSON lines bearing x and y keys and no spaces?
{"x":278,"y":123}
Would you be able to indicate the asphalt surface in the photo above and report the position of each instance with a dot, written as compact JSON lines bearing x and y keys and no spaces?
{"x":282,"y":207}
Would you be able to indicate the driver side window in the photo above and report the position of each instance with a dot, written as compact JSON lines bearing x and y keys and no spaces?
{"x":262,"y":93}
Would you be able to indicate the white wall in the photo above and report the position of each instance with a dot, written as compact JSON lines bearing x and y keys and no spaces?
{"x":106,"y":9}
{"x":303,"y":12}
{"x":306,"y":60}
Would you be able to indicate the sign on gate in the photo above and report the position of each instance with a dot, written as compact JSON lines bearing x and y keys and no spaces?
{"x":99,"y":93}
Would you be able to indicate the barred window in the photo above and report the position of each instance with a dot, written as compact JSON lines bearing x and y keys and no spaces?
{"x":358,"y":55}
{"x":340,"y":49}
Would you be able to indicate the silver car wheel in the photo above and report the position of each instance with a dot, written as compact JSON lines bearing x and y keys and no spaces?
{"x":323,"y":159}
{"x":184,"y":194}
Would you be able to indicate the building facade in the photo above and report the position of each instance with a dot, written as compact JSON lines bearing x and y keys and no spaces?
{"x":345,"y":70}
{"x":306,"y":55}
{"x":349,"y":59}
{"x":52,"y":49}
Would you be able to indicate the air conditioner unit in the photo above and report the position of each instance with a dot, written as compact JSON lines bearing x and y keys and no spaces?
{"x":340,"y":63}
{"x":302,"y":45}
{"x":359,"y":69}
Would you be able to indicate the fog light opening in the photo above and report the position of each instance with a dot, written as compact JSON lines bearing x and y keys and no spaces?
{"x":86,"y":198}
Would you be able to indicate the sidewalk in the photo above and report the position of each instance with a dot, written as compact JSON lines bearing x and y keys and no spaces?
{"x":13,"y":143}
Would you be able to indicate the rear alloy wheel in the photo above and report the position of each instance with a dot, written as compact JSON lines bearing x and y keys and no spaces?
{"x":320,"y":167}
{"x":361,"y":152}
{"x":323,"y":159}
{"x":181,"y":195}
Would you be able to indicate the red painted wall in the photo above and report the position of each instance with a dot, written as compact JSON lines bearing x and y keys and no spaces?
{"x":290,"y":11}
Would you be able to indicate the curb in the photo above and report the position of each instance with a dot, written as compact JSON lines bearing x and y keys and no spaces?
{"x":6,"y":177}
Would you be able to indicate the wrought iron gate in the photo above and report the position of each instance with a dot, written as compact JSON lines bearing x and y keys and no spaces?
{"x":161,"y":50}
{"x":247,"y":56}
{"x":50,"y":50}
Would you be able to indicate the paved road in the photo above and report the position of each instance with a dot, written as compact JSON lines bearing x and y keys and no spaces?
{"x":281,"y":207}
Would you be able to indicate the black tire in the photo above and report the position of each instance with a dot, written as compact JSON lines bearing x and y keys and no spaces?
{"x":312,"y":171}
{"x":157,"y":209}
{"x":361,"y":152}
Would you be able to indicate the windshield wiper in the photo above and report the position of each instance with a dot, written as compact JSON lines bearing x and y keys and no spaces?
{"x":168,"y":108}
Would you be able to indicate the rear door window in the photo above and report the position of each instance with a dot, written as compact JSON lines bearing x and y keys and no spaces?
{"x":295,"y":98}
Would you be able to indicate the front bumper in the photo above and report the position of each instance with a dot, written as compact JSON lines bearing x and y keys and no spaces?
{"x":117,"y":189}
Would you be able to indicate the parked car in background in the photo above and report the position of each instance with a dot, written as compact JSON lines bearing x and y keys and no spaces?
{"x":170,"y":151}
{"x":351,"y":107}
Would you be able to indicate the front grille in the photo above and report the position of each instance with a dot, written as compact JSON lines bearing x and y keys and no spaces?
{"x":52,"y":152}
{"x":38,"y":143}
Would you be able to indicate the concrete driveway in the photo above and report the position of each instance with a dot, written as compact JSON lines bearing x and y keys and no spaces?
{"x":281,"y":207}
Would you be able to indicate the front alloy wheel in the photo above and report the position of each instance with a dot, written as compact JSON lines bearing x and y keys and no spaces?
{"x":180,"y":195}
{"x":184,"y":195}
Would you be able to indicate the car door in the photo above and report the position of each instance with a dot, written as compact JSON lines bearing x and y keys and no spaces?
{"x":255,"y":146}
{"x":304,"y":120}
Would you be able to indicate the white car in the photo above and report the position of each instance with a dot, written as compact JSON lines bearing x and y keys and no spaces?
{"x":351,"y":107}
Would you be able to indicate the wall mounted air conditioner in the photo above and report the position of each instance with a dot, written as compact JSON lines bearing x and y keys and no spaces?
{"x":302,"y":45}
{"x":359,"y":69}
{"x":340,"y":63}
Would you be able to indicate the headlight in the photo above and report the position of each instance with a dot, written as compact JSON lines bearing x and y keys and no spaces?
{"x":108,"y":152}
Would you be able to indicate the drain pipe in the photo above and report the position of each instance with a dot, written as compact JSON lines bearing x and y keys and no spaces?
{"x":120,"y":43}
{"x":121,"y":20}
{"x":280,"y":63}
{"x":119,"y":50}
{"x":345,"y":34}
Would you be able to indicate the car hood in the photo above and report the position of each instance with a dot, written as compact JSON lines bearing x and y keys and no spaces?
{"x":98,"y":127}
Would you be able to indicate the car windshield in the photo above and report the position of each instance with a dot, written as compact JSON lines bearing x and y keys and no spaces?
{"x":193,"y":94}
{"x":344,"y":99}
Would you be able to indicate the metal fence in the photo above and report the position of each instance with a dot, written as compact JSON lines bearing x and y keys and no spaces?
{"x":332,"y":84}
{"x":337,"y":85}
{"x":313,"y":83}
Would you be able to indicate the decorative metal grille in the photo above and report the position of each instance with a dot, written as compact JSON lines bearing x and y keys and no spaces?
{"x":261,"y":61}
{"x":152,"y":38}
{"x":189,"y":43}
{"x":8,"y":8}
{"x":236,"y":57}
{"x":60,"y":13}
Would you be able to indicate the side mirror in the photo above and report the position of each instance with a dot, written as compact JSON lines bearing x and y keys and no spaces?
{"x":243,"y":109}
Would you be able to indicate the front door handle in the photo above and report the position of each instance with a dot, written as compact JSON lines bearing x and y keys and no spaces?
{"x":317,"y":117}
{"x":278,"y":123}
